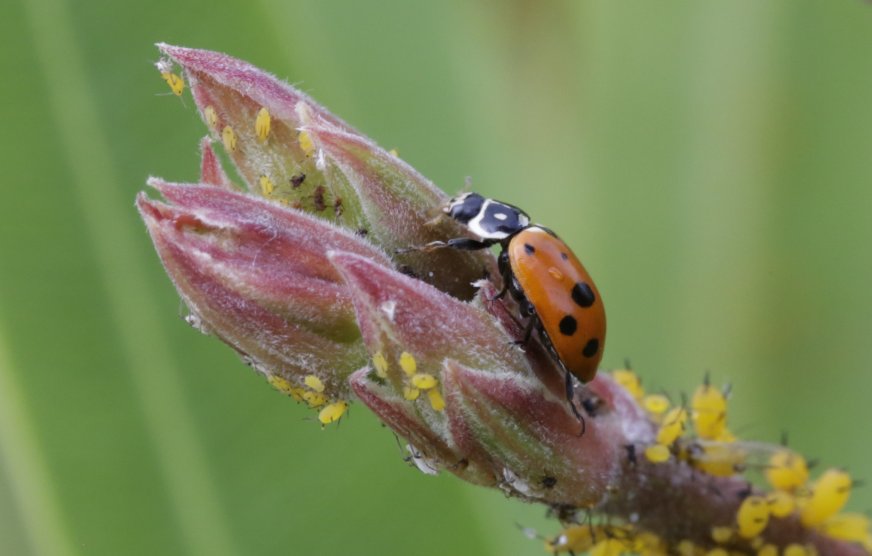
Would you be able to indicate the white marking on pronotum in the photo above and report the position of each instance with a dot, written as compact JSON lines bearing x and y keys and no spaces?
{"x":501,"y":216}
{"x":475,"y":226}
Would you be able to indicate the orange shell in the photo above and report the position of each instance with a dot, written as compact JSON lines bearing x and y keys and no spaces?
{"x":564,"y":296}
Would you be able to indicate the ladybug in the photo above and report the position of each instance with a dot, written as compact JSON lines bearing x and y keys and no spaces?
{"x":552,"y":287}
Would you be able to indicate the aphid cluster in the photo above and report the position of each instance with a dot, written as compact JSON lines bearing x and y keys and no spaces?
{"x":698,"y":436}
{"x":278,"y":188}
{"x":311,"y":393}
{"x":415,"y":382}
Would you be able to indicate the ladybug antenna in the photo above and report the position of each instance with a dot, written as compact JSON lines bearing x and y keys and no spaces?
{"x":435,"y":220}
{"x":707,"y":378}
{"x":627,"y":364}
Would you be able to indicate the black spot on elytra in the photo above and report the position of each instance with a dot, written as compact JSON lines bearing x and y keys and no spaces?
{"x":549,"y":482}
{"x":564,"y":256}
{"x":590,"y":348}
{"x":297,"y":180}
{"x":568,"y":325}
{"x":529,"y":249}
{"x":583,"y":295}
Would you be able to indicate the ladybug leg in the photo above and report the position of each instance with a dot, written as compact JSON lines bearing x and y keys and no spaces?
{"x":533,"y":322}
{"x":500,"y":294}
{"x":570,"y":395}
{"x":505,"y":274}
{"x":462,"y":243}
{"x":468,"y":244}
{"x":528,"y":331}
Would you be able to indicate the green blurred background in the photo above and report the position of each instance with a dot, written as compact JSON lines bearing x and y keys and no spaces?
{"x":711,"y":162}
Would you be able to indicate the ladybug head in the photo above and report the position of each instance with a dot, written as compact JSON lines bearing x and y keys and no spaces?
{"x":487,"y":218}
{"x":464,"y":208}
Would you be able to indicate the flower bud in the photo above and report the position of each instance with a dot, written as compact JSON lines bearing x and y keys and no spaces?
{"x":258,"y":277}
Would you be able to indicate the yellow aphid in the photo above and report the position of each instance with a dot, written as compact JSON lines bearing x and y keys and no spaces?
{"x":721,"y":459}
{"x":726,"y":436}
{"x":673,"y":426}
{"x":686,"y":548}
{"x":280,"y":384}
{"x":657,"y":453}
{"x":314,"y":383}
{"x":768,"y":550}
{"x":781,"y":503}
{"x":266,"y":186}
{"x":655,"y":404}
{"x":424,"y":381}
{"x":306,"y":143}
{"x":608,"y":547}
{"x":285,"y":387}
{"x":722,"y":534}
{"x":175,"y":81}
{"x":436,"y":400}
{"x":380,"y":364}
{"x":796,"y":550}
{"x":394,"y":152}
{"x":408,"y":363}
{"x":648,"y":544}
{"x":787,"y":470}
{"x":828,"y":495}
{"x":228,"y":137}
{"x":847,"y":527}
{"x":211,"y":116}
{"x":752,"y":517}
{"x":410,"y":393}
{"x":709,"y":413}
{"x":630,"y":381}
{"x":577,"y":538}
{"x":262,"y":124}
{"x":314,"y":399}
{"x":332,"y":412}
